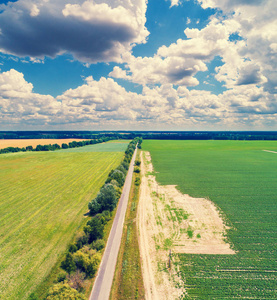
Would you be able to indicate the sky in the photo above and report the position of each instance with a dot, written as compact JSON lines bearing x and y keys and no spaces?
{"x":138,"y":65}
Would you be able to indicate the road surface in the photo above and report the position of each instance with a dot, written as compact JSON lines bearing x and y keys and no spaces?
{"x":103,"y":282}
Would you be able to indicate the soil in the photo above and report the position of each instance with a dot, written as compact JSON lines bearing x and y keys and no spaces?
{"x":171,"y":222}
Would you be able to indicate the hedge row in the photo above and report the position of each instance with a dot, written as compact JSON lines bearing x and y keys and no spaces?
{"x":54,"y":147}
{"x":84,"y":253}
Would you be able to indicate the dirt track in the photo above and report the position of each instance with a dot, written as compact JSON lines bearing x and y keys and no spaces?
{"x":171,"y":221}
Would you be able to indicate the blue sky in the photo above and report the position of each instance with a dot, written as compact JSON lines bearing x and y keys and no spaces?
{"x":138,"y":65}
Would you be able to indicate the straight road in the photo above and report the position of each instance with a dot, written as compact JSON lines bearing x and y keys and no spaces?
{"x":103,"y":282}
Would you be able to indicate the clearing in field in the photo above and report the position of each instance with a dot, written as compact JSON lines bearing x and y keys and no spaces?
{"x":240,"y":179}
{"x":43,"y":199}
{"x":171,"y":222}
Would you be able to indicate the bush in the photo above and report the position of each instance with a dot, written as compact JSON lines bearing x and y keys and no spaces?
{"x":98,"y":244}
{"x":72,"y":248}
{"x":61,"y":276}
{"x":137,"y":170}
{"x":94,"y":229}
{"x":68,"y":264}
{"x":137,"y":163}
{"x":63,"y":291}
{"x":33,"y":296}
{"x":87,"y":260}
{"x":81,"y":239}
{"x":137,"y":181}
{"x":76,"y":281}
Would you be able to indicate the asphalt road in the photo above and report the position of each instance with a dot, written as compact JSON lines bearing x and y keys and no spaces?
{"x":103,"y":282}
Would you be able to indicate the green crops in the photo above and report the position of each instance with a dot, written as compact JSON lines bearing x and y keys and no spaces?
{"x":241,"y":180}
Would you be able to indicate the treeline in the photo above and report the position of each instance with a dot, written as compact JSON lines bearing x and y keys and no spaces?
{"x":161,"y":135}
{"x":53,"y":147}
{"x":84,"y":253}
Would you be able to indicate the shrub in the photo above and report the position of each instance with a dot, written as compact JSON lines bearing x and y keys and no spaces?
{"x":137,"y":170}
{"x":98,"y":244}
{"x":61,"y":276}
{"x":137,"y":181}
{"x":76,"y":281}
{"x":63,"y":291}
{"x":94,"y":229}
{"x":137,"y":163}
{"x":68,"y":264}
{"x":33,"y":296}
{"x":87,"y":260}
{"x":72,"y":248}
{"x":81,"y":239}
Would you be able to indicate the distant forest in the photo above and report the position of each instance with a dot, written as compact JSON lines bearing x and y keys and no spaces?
{"x":160,"y":135}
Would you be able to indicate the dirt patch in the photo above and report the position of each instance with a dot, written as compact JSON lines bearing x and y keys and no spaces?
{"x":35,"y":142}
{"x":170,"y":221}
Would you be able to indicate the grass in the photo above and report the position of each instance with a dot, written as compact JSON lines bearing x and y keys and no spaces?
{"x":111,"y":146}
{"x":128,"y":281}
{"x":240,"y":179}
{"x":43,"y":199}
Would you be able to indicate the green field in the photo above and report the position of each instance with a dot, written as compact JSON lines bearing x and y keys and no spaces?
{"x":241,"y":180}
{"x":43,"y":199}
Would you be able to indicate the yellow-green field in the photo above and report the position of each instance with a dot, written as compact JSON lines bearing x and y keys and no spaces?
{"x":43,"y":199}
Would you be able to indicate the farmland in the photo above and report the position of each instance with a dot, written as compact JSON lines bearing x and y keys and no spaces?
{"x":34,"y":142}
{"x":43,"y":199}
{"x":240,"y":179}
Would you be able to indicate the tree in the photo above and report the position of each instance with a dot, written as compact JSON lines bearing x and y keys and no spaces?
{"x":68,"y":263}
{"x":64,"y":146}
{"x":94,"y":229}
{"x":117,"y":175}
{"x":107,"y":197}
{"x":94,"y":207}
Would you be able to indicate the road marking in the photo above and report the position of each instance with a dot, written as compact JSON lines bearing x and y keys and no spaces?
{"x":270,"y":151}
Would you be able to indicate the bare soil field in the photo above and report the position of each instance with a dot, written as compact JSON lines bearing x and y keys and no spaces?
{"x":35,"y":142}
{"x":171,"y":222}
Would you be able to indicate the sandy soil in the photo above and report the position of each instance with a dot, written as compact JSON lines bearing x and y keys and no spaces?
{"x":171,"y":221}
{"x":34,"y":142}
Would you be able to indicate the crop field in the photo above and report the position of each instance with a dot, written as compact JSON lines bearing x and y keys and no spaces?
{"x":43,"y":199}
{"x":240,"y":178}
{"x":34,"y":142}
{"x":110,"y":146}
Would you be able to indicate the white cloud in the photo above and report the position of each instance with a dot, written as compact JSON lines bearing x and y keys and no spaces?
{"x":175,"y":2}
{"x":91,"y":31}
{"x":34,"y":11}
{"x":105,"y":104}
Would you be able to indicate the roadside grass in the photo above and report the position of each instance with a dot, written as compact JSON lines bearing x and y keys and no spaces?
{"x":240,"y":179}
{"x":128,"y":281}
{"x":43,"y":199}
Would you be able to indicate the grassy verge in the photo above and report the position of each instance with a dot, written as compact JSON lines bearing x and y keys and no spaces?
{"x":128,"y":281}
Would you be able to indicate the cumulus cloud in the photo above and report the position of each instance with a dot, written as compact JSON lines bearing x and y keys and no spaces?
{"x":19,"y":105}
{"x":179,"y":63}
{"x":175,"y":2}
{"x":104,"y":104}
{"x":229,"y":4}
{"x":91,"y":31}
{"x":251,"y":60}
